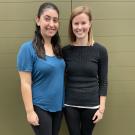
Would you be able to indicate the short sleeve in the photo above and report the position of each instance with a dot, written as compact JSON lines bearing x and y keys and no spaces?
{"x":25,"y":58}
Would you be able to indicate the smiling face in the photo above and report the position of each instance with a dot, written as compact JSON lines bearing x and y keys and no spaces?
{"x":81,"y":26}
{"x":48,"y":22}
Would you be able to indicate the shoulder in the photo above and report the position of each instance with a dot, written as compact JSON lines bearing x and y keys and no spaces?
{"x":66,"y":47}
{"x":26,"y":45}
{"x":27,"y":49}
{"x":100,"y":47}
{"x":102,"y":51}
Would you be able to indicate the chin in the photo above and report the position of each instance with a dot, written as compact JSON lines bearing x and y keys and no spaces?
{"x":51,"y":35}
{"x":80,"y":37}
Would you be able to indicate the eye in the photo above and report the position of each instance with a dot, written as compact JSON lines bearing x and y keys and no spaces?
{"x":55,"y":20}
{"x":83,"y":23}
{"x":47,"y":18}
{"x":76,"y":23}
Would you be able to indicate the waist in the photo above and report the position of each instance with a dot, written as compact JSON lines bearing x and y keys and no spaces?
{"x":82,"y":84}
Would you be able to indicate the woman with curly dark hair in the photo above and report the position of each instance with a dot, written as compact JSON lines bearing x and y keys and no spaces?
{"x":41,"y":69}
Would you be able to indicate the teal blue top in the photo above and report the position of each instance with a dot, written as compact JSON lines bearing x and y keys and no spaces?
{"x":47,"y":77}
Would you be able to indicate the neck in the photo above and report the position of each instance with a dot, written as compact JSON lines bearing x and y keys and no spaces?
{"x":47,"y":40}
{"x":81,"y":41}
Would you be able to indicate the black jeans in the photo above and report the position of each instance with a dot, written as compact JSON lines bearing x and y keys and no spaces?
{"x":49,"y":122}
{"x":79,"y":120}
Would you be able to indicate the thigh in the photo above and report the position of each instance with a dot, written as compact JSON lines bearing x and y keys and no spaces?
{"x":45,"y":121}
{"x":87,"y":124}
{"x":56,"y":122}
{"x":72,"y":116}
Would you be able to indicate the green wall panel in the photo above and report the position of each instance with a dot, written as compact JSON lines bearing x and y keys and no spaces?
{"x":27,"y":11}
{"x":10,"y":44}
{"x":126,"y":86}
{"x":114,"y":27}
{"x":16,"y":28}
{"x":118,"y":43}
{"x":115,"y":10}
{"x":125,"y":59}
{"x":122,"y":73}
{"x":7,"y":60}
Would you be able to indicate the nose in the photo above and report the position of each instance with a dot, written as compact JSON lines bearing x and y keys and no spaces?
{"x":51,"y":23}
{"x":79,"y":26}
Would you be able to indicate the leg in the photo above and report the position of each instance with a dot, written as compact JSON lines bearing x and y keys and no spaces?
{"x":87,"y":124}
{"x":56,"y":122}
{"x":45,"y":121}
{"x":72,"y":116}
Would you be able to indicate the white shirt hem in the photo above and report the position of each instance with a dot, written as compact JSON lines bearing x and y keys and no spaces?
{"x":87,"y":107}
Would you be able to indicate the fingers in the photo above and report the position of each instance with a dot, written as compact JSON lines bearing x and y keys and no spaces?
{"x":33,"y":118}
{"x":97,"y":117}
{"x":94,"y":117}
{"x":35,"y":122}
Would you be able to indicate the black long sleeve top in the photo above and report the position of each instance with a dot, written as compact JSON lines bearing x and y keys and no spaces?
{"x":86,"y":74}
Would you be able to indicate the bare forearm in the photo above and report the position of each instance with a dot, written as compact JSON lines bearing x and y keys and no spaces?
{"x":102,"y":104}
{"x":27,"y":97}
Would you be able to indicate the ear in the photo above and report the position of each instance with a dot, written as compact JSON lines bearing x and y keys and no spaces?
{"x":37,"y":19}
{"x":90,"y":24}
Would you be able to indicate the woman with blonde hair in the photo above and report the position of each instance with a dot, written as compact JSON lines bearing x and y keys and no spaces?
{"x":86,"y":75}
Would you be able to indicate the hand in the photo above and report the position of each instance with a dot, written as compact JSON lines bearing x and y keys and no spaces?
{"x":97,"y":116}
{"x":32,"y":118}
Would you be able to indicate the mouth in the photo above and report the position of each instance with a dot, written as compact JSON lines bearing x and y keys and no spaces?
{"x":51,"y":30}
{"x":79,"y":32}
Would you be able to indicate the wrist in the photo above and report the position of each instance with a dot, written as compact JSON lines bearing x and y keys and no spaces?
{"x":101,"y":111}
{"x":29,"y":111}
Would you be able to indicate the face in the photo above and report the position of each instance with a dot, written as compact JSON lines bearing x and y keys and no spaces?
{"x":81,"y":26}
{"x":48,"y":23}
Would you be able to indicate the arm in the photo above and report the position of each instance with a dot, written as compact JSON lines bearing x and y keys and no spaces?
{"x":99,"y":113}
{"x":102,"y":104}
{"x":26,"y":82}
{"x":102,"y":75}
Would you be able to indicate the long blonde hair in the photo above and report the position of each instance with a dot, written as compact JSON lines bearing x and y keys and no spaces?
{"x":75,"y":12}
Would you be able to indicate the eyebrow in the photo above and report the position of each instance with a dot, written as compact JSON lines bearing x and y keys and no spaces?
{"x":51,"y":17}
